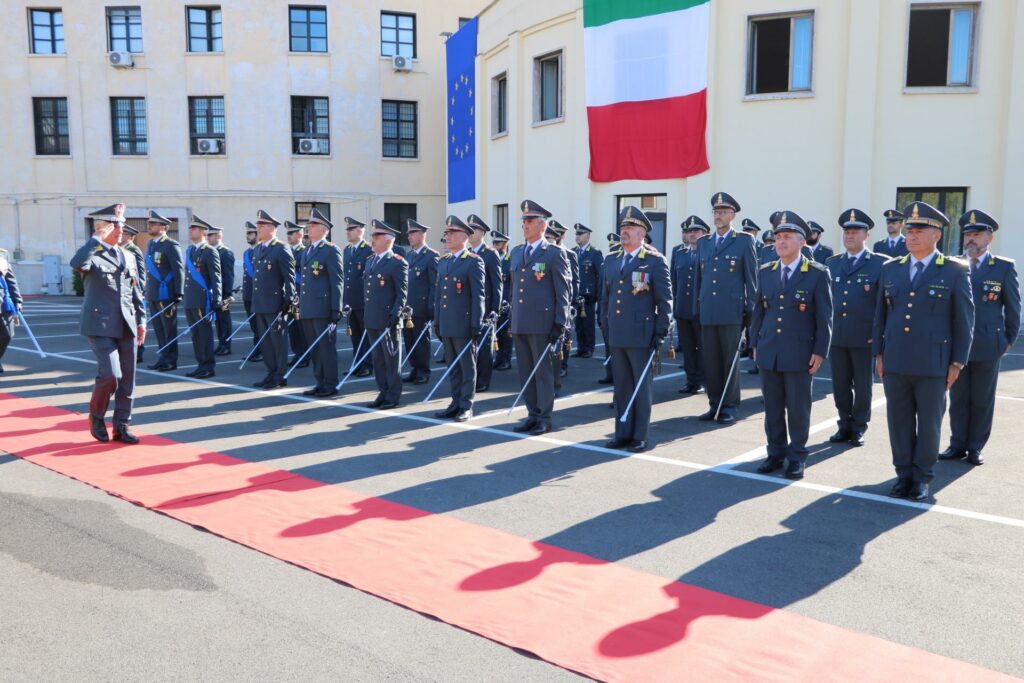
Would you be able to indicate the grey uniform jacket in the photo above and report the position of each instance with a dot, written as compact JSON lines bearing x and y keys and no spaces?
{"x":540,"y":289}
{"x":227,"y":270}
{"x":422,"y":281}
{"x":726,"y":279}
{"x":794,"y":321}
{"x":492,"y":272}
{"x":273,"y":277}
{"x":684,"y":275}
{"x":386,"y":288}
{"x":323,"y":281}
{"x":636,"y":303}
{"x":166,"y":258}
{"x":591,"y":261}
{"x":113,"y":299}
{"x":207,"y":261}
{"x":996,"y":307}
{"x":460,"y":295}
{"x":354,"y":263}
{"x":854,"y":294}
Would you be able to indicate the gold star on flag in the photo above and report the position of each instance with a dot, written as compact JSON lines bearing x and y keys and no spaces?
{"x":456,"y":86}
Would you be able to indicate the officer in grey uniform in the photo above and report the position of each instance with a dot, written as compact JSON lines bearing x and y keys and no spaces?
{"x":459,"y":306}
{"x":355,"y":254}
{"x":920,"y":349}
{"x":227,"y":285}
{"x":766,"y":252}
{"x":274,"y":298}
{"x":163,"y":286}
{"x":751,"y":228}
{"x":636,"y":307}
{"x":725,"y":289}
{"x":422,"y":262}
{"x":492,"y":271}
{"x":613,"y":249}
{"x":554,"y":233}
{"x":503,"y":361}
{"x":591,"y":261}
{"x":10,"y":303}
{"x":320,"y":303}
{"x":684,"y":304}
{"x":247,"y":272}
{"x":385,"y":291}
{"x":296,"y":339}
{"x":895,"y":245}
{"x":541,"y":285}
{"x":854,"y":275}
{"x":972,"y":398}
{"x":202,"y":295}
{"x":127,"y":242}
{"x":820,"y":252}
{"x":790,"y":336}
{"x":113,"y":321}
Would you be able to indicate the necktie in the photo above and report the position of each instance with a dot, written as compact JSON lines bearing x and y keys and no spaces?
{"x":853,"y":262}
{"x":625,"y":262}
{"x":718,"y":243}
{"x":892,"y":244}
{"x":785,"y":275}
{"x":974,"y":265}
{"x":918,"y":267}
{"x":529,"y":252}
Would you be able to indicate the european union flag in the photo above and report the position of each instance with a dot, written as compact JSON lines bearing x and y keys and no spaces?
{"x":461,"y":53}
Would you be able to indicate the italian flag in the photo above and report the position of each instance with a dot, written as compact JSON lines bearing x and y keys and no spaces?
{"x":646,"y":83}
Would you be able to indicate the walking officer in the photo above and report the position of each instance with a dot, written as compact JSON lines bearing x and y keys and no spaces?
{"x":972,"y":398}
{"x":504,"y":359}
{"x":790,"y":336}
{"x":296,"y":339}
{"x":202,"y":295}
{"x":320,"y":303}
{"x":854,"y":276}
{"x":591,"y":260}
{"x":127,"y":242}
{"x":385,"y":289}
{"x":920,"y":349}
{"x":215,"y":236}
{"x":540,"y":311}
{"x":726,"y":287}
{"x":163,"y":287}
{"x":355,"y":254}
{"x":273,"y":298}
{"x":459,"y":305}
{"x":492,"y":272}
{"x":247,"y":271}
{"x":819,"y":252}
{"x":10,"y":303}
{"x":684,"y":304}
{"x":422,"y":262}
{"x":636,"y":305}
{"x":895,"y":245}
{"x":113,"y":321}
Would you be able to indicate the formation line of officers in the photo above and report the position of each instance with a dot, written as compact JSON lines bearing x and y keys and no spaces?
{"x":924,"y":322}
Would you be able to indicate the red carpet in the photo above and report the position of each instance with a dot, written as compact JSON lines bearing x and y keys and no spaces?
{"x":601,"y":619}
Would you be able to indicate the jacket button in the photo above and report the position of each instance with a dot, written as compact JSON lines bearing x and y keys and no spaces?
{"x":913,"y":293}
{"x":779,"y":330}
{"x":908,"y":317}
{"x":906,"y":329}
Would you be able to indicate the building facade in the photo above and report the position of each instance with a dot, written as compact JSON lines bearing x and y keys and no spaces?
{"x":813,"y":107}
{"x":216,"y":109}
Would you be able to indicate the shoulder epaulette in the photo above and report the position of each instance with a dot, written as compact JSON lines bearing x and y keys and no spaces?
{"x":770,"y":264}
{"x":1004,"y":259}
{"x":833,"y":257}
{"x":815,"y":264}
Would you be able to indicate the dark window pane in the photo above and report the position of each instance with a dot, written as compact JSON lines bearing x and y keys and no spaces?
{"x":769,"y":70}
{"x":928,"y":50}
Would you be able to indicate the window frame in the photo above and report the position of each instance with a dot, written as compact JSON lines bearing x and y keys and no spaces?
{"x":659,"y":233}
{"x":51,"y":12}
{"x":954,"y":226}
{"x":751,"y":57}
{"x":399,"y":140}
{"x":397,"y":42}
{"x":302,"y":217}
{"x":308,"y":37}
{"x":128,"y":33}
{"x":310,"y":118}
{"x":499,"y":105}
{"x":972,"y":53}
{"x":402,"y":239}
{"x":134,"y":140}
{"x":538,"y":87}
{"x":62,"y":150}
{"x":209,"y":24}
{"x":500,"y":217}
{"x":194,"y":137}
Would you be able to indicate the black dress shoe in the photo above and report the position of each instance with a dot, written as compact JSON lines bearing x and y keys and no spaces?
{"x":192,"y":373}
{"x":205,"y":374}
{"x":388,"y":405}
{"x":503,"y":366}
{"x":542,"y":427}
{"x":840,"y":436}
{"x":618,"y":443}
{"x":587,"y":354}
{"x":464,"y":415}
{"x":304,"y":363}
{"x":311,"y":392}
{"x":856,"y":438}
{"x":900,"y":489}
{"x":483,"y":387}
{"x":605,"y":380}
{"x":953,"y":454}
{"x":919,"y":491}
{"x":707,"y":417}
{"x":795,"y":470}
{"x":638,"y":446}
{"x":411,"y":377}
{"x":422,"y":379}
{"x":275,"y":384}
{"x":525,"y":426}
{"x":222,"y":351}
{"x":375,"y":403}
{"x":769,"y":465}
{"x":687,"y":389}
{"x":563,"y":372}
{"x":450,"y":411}
{"x":293,"y":361}
{"x":726,"y":419}
{"x":155,"y":366}
{"x":262,"y":383}
{"x":256,"y":357}
{"x":122,"y":434}
{"x":327,"y":392}
{"x":167,"y":368}
{"x":98,"y":429}
{"x":975,"y":458}
{"x":365,"y":372}
{"x":753,"y":371}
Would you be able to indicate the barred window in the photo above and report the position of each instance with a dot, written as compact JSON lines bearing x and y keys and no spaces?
{"x":128,"y":122}
{"x":51,"y":119}
{"x":397,"y":34}
{"x":311,"y":119}
{"x":124,"y":29}
{"x":307,"y":29}
{"x":204,"y":29}
{"x":205,"y":120}
{"x":46,"y":28}
{"x":399,"y":129}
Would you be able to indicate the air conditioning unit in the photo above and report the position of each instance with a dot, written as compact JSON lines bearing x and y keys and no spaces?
{"x":209,"y":145}
{"x":312,"y":146}
{"x":122,"y":60}
{"x":400,"y":63}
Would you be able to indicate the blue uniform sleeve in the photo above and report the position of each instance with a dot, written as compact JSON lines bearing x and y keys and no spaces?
{"x":1011,"y":305}
{"x":963,"y":317}
{"x":662,"y":298}
{"x":750,"y":267}
{"x":335,"y":279}
{"x":823,"y":315}
{"x":431,"y":284}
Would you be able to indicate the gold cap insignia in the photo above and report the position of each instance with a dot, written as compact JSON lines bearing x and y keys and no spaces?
{"x":629,"y":212}
{"x":915,"y":213}
{"x":973,"y":219}
{"x":719,"y":199}
{"x":853,"y":215}
{"x":782,"y":219}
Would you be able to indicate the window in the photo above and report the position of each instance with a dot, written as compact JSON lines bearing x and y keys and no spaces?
{"x":499,"y":104}
{"x":501,"y":218}
{"x":128,"y":121}
{"x":308,"y":29}
{"x":303,"y":210}
{"x":779,"y":55}
{"x":949,"y":200}
{"x":654,"y":205}
{"x":547,"y":87}
{"x":397,"y":34}
{"x":395,"y":215}
{"x":51,"y":118}
{"x":204,"y":29}
{"x":205,"y":120}
{"x":940,"y":46}
{"x":46,"y":31}
{"x":124,"y":29}
{"x":399,"y":129}
{"x":310,"y":119}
